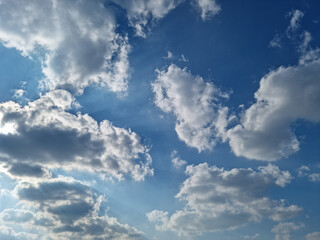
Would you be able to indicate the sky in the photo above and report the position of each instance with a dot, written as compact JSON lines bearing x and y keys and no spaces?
{"x":160,"y":120}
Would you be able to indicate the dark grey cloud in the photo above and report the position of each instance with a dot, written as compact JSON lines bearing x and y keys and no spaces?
{"x":44,"y":134}
{"x":68,"y":213}
{"x":47,"y":193}
{"x":62,"y":208}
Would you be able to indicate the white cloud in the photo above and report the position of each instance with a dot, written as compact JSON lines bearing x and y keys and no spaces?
{"x":255,"y":236}
{"x":44,"y":133}
{"x":18,"y":93}
{"x":283,"y":230}
{"x":76,"y":41}
{"x":219,"y":199}
{"x":62,"y":208}
{"x":143,"y":12}
{"x":209,"y":8}
{"x":313,"y":236}
{"x":169,"y":55}
{"x":176,"y":161}
{"x":304,"y":171}
{"x":194,"y":102}
{"x":276,"y":42}
{"x":285,"y":95}
{"x":183,"y":58}
{"x":314,"y":177}
{"x":296,"y":16}
{"x":306,"y":39}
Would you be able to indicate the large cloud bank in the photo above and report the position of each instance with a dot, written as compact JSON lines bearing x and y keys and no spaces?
{"x":219,"y":199}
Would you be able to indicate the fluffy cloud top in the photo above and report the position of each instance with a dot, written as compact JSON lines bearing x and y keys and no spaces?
{"x":78,"y":39}
{"x":218,"y":199}
{"x":61,"y":208}
{"x":143,"y":13}
{"x":296,"y":16}
{"x":285,"y":95}
{"x":43,"y":133}
{"x":194,"y":103}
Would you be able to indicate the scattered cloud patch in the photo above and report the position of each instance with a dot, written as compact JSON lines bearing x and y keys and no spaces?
{"x":276,"y":42}
{"x":306,"y":39}
{"x":295,"y":18}
{"x":283,"y":230}
{"x":62,"y":208}
{"x":309,"y":56}
{"x":176,"y":161}
{"x":183,"y":58}
{"x":169,"y":55}
{"x":194,"y":102}
{"x":142,"y":13}
{"x":18,"y":93}
{"x":209,"y":8}
{"x":219,"y":199}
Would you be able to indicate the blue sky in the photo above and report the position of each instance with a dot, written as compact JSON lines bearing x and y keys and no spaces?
{"x":169,"y":119}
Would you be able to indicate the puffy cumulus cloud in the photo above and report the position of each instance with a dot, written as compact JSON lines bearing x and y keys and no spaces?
{"x":285,"y":95}
{"x":63,"y":208}
{"x":76,"y":41}
{"x":208,"y":8}
{"x":313,"y":236}
{"x":219,"y":199}
{"x":283,"y":230}
{"x":143,"y":12}
{"x":43,"y":133}
{"x":194,"y":102}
